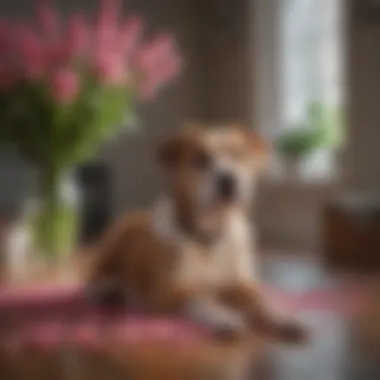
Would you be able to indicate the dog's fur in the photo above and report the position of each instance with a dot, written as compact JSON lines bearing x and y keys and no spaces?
{"x":194,"y":254}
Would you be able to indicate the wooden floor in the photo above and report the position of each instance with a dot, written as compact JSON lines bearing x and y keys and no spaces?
{"x":337,"y":350}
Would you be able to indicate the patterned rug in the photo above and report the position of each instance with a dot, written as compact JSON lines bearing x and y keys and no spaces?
{"x":47,"y":317}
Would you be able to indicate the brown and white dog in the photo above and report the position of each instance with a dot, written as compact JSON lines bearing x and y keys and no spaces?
{"x":194,"y":254}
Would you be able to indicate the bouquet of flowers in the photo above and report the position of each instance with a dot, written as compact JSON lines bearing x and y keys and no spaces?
{"x":66,"y":86}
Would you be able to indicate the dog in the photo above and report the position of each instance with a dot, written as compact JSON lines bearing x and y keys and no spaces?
{"x":193,"y":255}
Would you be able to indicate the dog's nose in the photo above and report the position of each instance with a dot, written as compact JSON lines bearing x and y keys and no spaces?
{"x":104,"y":296}
{"x":111,"y":298}
{"x":226,"y":186}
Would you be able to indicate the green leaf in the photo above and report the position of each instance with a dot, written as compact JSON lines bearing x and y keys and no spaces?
{"x":63,"y":133}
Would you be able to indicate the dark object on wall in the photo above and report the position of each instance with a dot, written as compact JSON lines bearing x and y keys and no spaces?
{"x":18,"y":182}
{"x":368,"y":12}
{"x":6,"y":220}
{"x":94,"y":184}
{"x":228,"y":17}
{"x":351,"y":234}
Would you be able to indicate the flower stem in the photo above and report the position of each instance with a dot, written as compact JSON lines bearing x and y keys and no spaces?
{"x":55,"y":222}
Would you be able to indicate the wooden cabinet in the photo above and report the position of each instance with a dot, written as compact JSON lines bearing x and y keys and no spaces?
{"x":351,"y":235}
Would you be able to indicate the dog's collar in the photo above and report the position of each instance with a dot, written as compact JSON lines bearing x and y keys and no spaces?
{"x":168,"y":225}
{"x":205,"y":238}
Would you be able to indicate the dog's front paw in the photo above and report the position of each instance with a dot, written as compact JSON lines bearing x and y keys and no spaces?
{"x":229,"y":331}
{"x":104,"y":295}
{"x":290,"y":331}
{"x":223,"y":323}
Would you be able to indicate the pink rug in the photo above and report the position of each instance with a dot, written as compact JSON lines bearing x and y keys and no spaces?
{"x":48,"y":317}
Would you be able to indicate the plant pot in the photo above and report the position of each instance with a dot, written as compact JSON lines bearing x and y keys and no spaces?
{"x":293,"y":167}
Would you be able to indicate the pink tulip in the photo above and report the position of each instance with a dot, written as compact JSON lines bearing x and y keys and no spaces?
{"x":47,"y":19}
{"x":27,"y":41}
{"x":64,"y":85}
{"x":114,"y":53}
{"x":63,"y":53}
{"x":147,"y":90}
{"x":8,"y":77}
{"x":30,"y":53}
{"x":6,"y":32}
{"x":154,"y":53}
{"x":157,"y":63}
{"x":163,"y":44}
{"x":4,"y":28}
{"x":151,"y":83}
{"x":57,"y":55}
{"x":168,"y":67}
{"x":161,"y":47}
{"x":171,"y":67}
{"x":130,"y":34}
{"x":145,"y":59}
{"x":109,"y":68}
{"x":107,"y":23}
{"x":78,"y":35}
{"x":109,"y":11}
{"x":34,"y":69}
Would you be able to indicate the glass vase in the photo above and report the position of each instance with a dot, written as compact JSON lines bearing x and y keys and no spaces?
{"x":53,"y":221}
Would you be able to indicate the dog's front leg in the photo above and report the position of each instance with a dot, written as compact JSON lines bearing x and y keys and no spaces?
{"x":223,"y":321}
{"x":262,"y":316}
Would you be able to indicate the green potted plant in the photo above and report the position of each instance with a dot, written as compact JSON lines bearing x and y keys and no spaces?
{"x":65,"y":87}
{"x":329,"y":120}
{"x":321,"y":129}
{"x":297,"y":144}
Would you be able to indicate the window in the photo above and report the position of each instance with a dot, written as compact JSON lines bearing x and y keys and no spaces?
{"x":298,"y":53}
{"x":310,"y":44}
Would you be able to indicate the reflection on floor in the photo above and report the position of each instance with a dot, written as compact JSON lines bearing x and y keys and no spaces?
{"x":334,"y":352}
{"x":338,"y":349}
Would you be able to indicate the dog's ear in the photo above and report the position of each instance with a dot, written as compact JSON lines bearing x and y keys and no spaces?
{"x":174,"y":149}
{"x":259,"y":147}
{"x":261,"y":151}
{"x":169,"y":151}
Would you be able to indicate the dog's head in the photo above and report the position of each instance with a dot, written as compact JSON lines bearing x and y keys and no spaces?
{"x":213,"y":166}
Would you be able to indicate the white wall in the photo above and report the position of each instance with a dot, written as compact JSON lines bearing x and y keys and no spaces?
{"x":136,"y":179}
{"x":215,"y":85}
{"x":290,"y":214}
{"x":227,"y":75}
{"x":363,"y":154}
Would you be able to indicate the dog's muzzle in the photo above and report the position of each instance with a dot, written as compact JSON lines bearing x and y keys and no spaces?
{"x":226,"y":186}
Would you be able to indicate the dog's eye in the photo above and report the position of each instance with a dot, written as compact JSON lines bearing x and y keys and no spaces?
{"x":201,"y":160}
